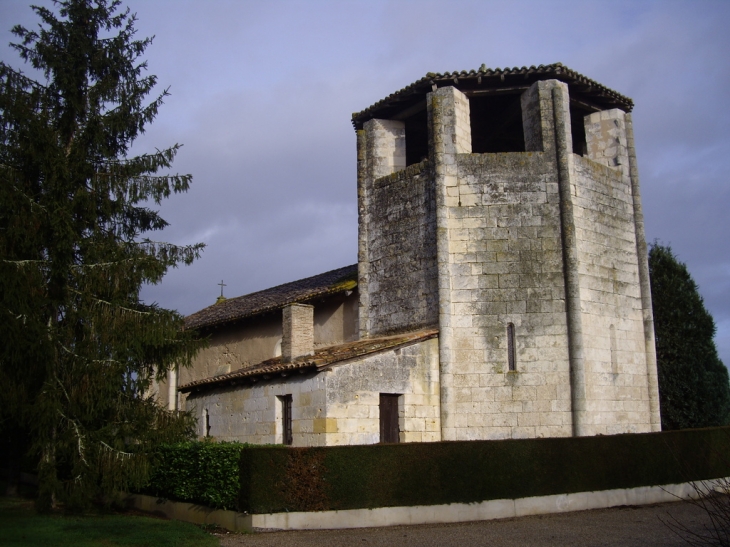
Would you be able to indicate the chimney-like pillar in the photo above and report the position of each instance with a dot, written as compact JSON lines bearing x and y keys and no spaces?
{"x":606,"y":138}
{"x":386,"y":147}
{"x":297,"y":332}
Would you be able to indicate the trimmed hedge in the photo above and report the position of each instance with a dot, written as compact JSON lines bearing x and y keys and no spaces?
{"x":206,"y":473}
{"x":276,"y":479}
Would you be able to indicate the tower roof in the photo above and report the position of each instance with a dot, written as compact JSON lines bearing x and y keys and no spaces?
{"x":401,"y":104}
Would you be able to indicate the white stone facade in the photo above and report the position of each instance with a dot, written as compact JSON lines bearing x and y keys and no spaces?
{"x":537,"y":253}
{"x":334,"y":406}
{"x":546,"y":240}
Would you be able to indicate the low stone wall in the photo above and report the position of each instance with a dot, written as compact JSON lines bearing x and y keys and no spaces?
{"x":466,"y":512}
{"x":398,"y":516}
{"x":190,"y":512}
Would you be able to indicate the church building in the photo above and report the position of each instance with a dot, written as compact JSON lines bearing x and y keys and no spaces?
{"x":501,"y":290}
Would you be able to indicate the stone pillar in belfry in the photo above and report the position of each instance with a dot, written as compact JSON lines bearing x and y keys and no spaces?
{"x":606,"y":139}
{"x":449,"y":134}
{"x":386,"y":147}
{"x":538,"y":122}
{"x":297,"y":332}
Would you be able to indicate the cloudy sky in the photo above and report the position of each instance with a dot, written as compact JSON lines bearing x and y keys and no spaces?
{"x":262,"y":94}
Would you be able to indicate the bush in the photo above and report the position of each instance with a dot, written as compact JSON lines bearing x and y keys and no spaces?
{"x":205,"y":472}
{"x":693,"y":382}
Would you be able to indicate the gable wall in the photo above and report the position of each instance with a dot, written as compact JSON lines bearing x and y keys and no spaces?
{"x":236,"y":345}
{"x":335,"y":319}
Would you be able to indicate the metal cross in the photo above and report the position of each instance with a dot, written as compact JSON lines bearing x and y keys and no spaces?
{"x":222,"y":285}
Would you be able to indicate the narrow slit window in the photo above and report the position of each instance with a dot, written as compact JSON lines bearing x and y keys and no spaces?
{"x":614,"y":356}
{"x":389,"y":429}
{"x":206,"y":423}
{"x":286,"y":419}
{"x":511,"y":355}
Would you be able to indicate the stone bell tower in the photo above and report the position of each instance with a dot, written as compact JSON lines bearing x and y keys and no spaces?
{"x":503,"y":207}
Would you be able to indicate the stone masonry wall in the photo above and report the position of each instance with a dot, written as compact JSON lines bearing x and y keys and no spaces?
{"x":401,"y":251}
{"x":335,"y":320}
{"x":617,"y":396}
{"x":396,"y":241}
{"x":256,"y":339}
{"x":353,"y":390}
{"x":338,"y":406}
{"x":522,"y":239}
{"x":249,"y":413}
{"x":506,"y":267}
{"x":500,"y":262}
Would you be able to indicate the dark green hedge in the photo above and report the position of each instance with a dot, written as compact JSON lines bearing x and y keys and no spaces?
{"x":276,"y":479}
{"x":199,"y":472}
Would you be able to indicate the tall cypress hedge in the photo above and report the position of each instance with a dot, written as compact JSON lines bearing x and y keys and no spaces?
{"x":693,"y":382}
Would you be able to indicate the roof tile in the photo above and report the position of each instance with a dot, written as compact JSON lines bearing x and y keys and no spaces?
{"x":322,"y":358}
{"x":274,"y":298}
{"x":611,"y":98}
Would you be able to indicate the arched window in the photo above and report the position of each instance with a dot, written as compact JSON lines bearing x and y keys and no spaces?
{"x":511,"y":353}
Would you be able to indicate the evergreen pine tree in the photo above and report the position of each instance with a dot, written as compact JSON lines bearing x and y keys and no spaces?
{"x":80,"y":349}
{"x":693,"y":382}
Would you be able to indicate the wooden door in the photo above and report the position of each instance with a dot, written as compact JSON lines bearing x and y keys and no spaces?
{"x":389,"y":431}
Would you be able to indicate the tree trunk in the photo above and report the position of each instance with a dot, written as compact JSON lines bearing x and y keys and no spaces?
{"x":47,"y":478}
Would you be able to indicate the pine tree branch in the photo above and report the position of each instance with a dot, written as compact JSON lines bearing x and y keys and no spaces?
{"x":86,"y":359}
{"x":6,"y":70}
{"x":120,"y":308}
{"x":115,"y":451}
{"x":79,"y":437}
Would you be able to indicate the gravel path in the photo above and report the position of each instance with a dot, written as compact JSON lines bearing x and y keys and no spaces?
{"x":621,"y":526}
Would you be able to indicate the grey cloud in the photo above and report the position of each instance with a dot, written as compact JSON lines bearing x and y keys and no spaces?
{"x":263,"y":92}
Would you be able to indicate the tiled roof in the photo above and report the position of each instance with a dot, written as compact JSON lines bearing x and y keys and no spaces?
{"x":580,"y":86}
{"x":322,"y":358}
{"x":232,"y":309}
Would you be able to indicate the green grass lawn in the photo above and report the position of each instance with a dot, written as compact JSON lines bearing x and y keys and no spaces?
{"x":20,"y":525}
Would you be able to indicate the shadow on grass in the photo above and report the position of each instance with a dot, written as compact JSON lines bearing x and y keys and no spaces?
{"x":22,"y":526}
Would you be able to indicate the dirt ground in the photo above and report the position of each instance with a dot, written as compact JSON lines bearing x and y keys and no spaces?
{"x":621,"y":526}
